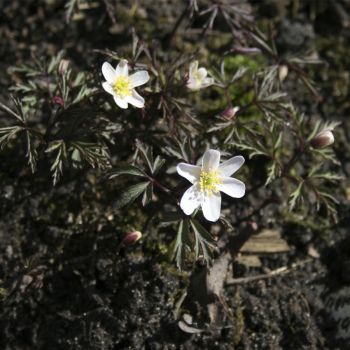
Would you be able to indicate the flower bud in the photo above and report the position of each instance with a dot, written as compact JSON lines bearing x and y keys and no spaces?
{"x":63,"y":66}
{"x":322,"y":139}
{"x":132,"y":237}
{"x":58,"y":100}
{"x":229,"y":112}
{"x":282,"y":72}
{"x":26,"y":281}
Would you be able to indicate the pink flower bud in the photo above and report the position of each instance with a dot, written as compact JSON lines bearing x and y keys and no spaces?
{"x":322,"y":139}
{"x":58,"y":100}
{"x":229,"y":112}
{"x":63,"y":66}
{"x":132,"y":237}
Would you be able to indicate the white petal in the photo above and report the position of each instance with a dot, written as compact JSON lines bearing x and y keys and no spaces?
{"x":202,"y":73}
{"x":211,"y":206}
{"x":232,"y":187}
{"x":211,"y":160}
{"x":121,"y":102}
{"x":139,"y":78}
{"x":108,"y":87}
{"x":231,"y":166}
{"x":193,"y":67}
{"x":108,"y":72}
{"x":188,"y":171}
{"x":193,"y":84}
{"x":190,"y":200}
{"x":135,"y":99}
{"x":207,"y":82}
{"x":122,"y":68}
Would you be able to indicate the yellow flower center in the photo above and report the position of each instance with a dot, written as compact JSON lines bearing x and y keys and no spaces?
{"x":209,"y":181}
{"x":122,"y":86}
{"x":197,"y":77}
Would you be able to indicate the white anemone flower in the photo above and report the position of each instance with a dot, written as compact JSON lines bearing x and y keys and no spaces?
{"x":122,"y":85}
{"x":207,"y":182}
{"x":197,"y":77}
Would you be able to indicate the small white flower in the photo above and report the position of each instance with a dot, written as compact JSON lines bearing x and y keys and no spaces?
{"x":119,"y":84}
{"x":207,"y":182}
{"x":197,"y":77}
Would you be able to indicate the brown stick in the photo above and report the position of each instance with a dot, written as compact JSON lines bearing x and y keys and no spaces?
{"x":277,"y":272}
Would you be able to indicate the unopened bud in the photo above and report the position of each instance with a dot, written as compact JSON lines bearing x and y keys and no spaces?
{"x":63,"y":66}
{"x":26,"y":281}
{"x":229,"y":112}
{"x":38,"y":282}
{"x":132,"y":237}
{"x":282,"y":72}
{"x":248,"y":227}
{"x":58,"y":100}
{"x":322,"y":139}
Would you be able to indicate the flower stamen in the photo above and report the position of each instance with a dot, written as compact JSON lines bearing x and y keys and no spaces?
{"x":209,"y":181}
{"x":122,"y":86}
{"x":198,"y":77}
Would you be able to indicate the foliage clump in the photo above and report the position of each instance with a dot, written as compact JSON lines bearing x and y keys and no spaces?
{"x":64,"y":123}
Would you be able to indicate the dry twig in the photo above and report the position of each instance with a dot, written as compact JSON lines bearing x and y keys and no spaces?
{"x":277,"y":272}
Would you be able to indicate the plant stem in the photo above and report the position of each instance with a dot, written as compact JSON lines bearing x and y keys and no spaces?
{"x":159,"y":185}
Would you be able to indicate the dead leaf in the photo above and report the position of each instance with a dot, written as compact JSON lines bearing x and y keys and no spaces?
{"x":267,"y":241}
{"x":249,"y":260}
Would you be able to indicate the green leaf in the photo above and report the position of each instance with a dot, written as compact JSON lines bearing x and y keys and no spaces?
{"x":278,"y":141}
{"x":146,"y":153}
{"x":32,"y":154}
{"x":255,"y":149}
{"x":54,"y":145}
{"x":61,"y":157}
{"x":169,"y":218}
{"x":328,"y":196}
{"x":204,"y":242}
{"x":239,"y":74}
{"x":158,"y":163}
{"x":180,"y":149}
{"x":314,"y":130}
{"x":95,"y":154}
{"x":130,"y":194}
{"x":7,"y":134}
{"x":55,"y":61}
{"x":11,"y":112}
{"x":328,"y":176}
{"x":70,"y":7}
{"x":295,"y":196}
{"x":126,"y":169}
{"x":309,"y":85}
{"x":182,"y":243}
{"x":273,"y":172}
{"x":262,"y":43}
{"x":148,"y":194}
